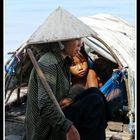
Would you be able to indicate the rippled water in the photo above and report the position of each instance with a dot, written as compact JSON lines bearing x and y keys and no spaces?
{"x":22,"y":17}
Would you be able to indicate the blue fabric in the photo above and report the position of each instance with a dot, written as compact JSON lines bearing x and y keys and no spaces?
{"x":114,"y":82}
{"x":11,"y":69}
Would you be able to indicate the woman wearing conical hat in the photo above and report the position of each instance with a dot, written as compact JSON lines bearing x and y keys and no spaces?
{"x":43,"y":119}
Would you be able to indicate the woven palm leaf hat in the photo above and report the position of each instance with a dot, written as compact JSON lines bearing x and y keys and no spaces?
{"x":60,"y":26}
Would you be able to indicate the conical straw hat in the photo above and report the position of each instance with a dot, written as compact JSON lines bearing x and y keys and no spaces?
{"x":60,"y":26}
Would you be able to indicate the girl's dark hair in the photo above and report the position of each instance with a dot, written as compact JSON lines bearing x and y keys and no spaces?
{"x":83,"y":52}
{"x":87,"y":57}
{"x":82,"y":55}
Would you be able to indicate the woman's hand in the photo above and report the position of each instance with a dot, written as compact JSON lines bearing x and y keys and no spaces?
{"x":72,"y":134}
{"x":65,"y":102}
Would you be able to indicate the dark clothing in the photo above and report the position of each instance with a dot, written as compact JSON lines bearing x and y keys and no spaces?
{"x":43,"y":119}
{"x":88,"y":114}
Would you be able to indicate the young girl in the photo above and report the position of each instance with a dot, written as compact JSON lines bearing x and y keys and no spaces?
{"x":82,"y":77}
{"x":82,"y":74}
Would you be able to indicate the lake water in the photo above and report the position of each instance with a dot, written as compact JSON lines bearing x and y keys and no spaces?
{"x":22,"y":18}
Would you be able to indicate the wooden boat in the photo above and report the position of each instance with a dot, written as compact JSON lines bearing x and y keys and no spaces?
{"x":111,"y":38}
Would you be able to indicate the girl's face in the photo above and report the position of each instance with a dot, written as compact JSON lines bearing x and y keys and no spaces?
{"x":79,"y":66}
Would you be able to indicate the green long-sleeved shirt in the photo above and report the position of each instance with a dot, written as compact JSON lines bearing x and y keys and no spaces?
{"x":43,"y":119}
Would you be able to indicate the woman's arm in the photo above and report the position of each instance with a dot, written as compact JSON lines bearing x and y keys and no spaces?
{"x":48,"y":111}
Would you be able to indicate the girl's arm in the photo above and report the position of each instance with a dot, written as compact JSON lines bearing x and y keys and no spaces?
{"x":92,"y":79}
